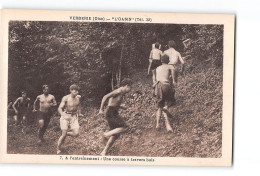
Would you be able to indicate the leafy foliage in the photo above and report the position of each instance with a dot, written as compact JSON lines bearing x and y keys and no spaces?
{"x":91,"y":54}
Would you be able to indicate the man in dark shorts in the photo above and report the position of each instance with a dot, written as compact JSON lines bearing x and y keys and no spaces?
{"x":45,"y":101}
{"x":164,"y":90}
{"x":116,"y":124}
{"x":154,"y":59}
{"x":21,"y":107}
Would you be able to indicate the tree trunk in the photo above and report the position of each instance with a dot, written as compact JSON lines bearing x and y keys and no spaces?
{"x":120,"y":66}
{"x":112,"y":81}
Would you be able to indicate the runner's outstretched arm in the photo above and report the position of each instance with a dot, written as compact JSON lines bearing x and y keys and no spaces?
{"x":16,"y":101}
{"x":173,"y":73}
{"x":150,"y":63}
{"x":79,"y":107}
{"x":182,"y":63}
{"x":155,"y":80}
{"x":62,"y":104}
{"x":54,"y":103}
{"x":34,"y":104}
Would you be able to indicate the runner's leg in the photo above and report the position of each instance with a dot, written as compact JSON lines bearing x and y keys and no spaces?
{"x":167,"y":123}
{"x":19,"y":119}
{"x":73,"y":132}
{"x":115,"y":132}
{"x":154,"y":76}
{"x":149,"y":67}
{"x":110,"y":142}
{"x":74,"y":125}
{"x":61,"y":140}
{"x":158,"y":116}
{"x":41,"y":130}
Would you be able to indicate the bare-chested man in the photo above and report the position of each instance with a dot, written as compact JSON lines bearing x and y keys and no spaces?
{"x":116,"y":124}
{"x":70,"y":110}
{"x":154,"y":59}
{"x":156,"y":49}
{"x":174,"y":58}
{"x":46,"y":102}
{"x":21,"y":107}
{"x":164,"y":90}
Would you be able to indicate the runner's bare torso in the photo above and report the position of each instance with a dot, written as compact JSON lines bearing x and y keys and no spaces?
{"x":22,"y":103}
{"x":174,"y":56}
{"x":71,"y":104}
{"x":46,"y":101}
{"x":116,"y":100}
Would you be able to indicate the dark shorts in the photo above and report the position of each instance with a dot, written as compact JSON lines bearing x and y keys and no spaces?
{"x":10,"y":113}
{"x":21,"y":114}
{"x":113,"y":118}
{"x":46,"y":116}
{"x":165,"y":95}
{"x":155,"y":64}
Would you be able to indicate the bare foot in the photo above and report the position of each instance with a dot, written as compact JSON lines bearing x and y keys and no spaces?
{"x":58,"y":152}
{"x":169,"y":129}
{"x":103,"y":153}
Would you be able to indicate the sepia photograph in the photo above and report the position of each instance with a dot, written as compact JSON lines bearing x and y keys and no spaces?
{"x":94,"y":88}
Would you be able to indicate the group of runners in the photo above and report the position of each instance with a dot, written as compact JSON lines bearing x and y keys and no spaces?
{"x":164,"y":66}
{"x":164,"y":69}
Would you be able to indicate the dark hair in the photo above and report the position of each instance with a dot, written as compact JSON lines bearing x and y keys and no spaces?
{"x":126,"y":81}
{"x":157,"y":45}
{"x":165,"y":59}
{"x":171,"y":43}
{"x":74,"y":87}
{"x":45,"y":86}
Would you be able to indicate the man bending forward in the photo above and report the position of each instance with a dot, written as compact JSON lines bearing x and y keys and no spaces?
{"x":164,"y":90}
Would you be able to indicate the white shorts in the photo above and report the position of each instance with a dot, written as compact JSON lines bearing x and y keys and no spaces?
{"x":69,"y":121}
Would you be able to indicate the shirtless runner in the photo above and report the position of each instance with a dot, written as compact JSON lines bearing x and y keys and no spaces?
{"x":174,"y":58}
{"x":44,"y":113}
{"x":116,"y":124}
{"x":164,"y":90}
{"x":154,"y":59}
{"x":70,"y":110}
{"x":21,"y":107}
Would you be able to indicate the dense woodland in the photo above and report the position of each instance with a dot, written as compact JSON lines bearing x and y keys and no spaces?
{"x":97,"y":56}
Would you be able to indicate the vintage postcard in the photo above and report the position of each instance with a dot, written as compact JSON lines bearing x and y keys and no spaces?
{"x":116,"y":88}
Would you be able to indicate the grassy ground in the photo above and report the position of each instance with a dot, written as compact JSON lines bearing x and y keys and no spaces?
{"x":196,"y":120}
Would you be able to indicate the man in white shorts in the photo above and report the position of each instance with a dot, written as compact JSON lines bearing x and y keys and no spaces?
{"x":70,"y":110}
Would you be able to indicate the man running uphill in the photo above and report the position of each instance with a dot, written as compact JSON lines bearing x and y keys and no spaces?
{"x":21,"y":107}
{"x":46,"y":101}
{"x":154,"y":59}
{"x":115,"y":122}
{"x":164,"y":90}
{"x":174,"y":58}
{"x":70,"y":110}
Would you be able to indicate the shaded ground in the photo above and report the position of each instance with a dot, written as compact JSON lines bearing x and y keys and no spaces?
{"x":196,"y":121}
